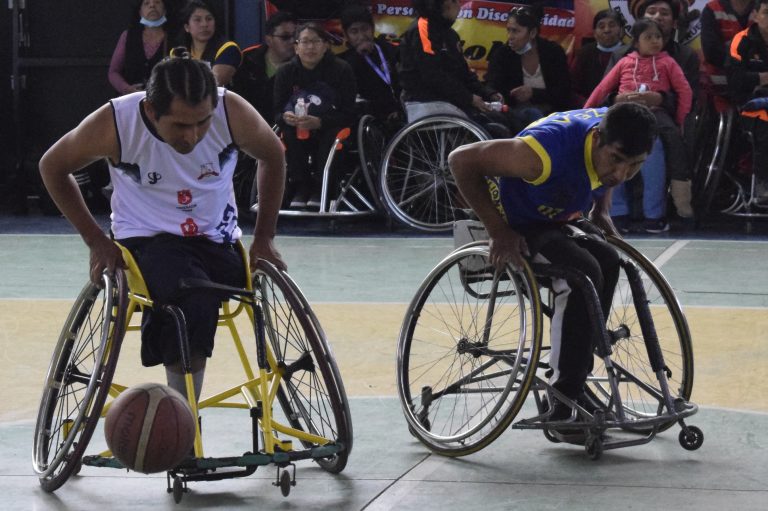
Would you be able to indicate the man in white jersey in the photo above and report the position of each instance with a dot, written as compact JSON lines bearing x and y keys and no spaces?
{"x":171,"y":152}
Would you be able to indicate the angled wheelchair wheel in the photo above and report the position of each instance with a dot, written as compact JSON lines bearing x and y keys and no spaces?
{"x":468,"y":351}
{"x":371,"y":142}
{"x":416,"y":184}
{"x":78,"y":380}
{"x":311,"y":393}
{"x":638,"y":386}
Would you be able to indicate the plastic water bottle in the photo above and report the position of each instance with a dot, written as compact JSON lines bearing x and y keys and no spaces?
{"x":496,"y":106}
{"x":643,"y":88}
{"x":301,"y":111}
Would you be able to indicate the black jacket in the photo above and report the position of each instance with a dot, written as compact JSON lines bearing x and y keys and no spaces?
{"x":505,"y":72}
{"x":751,"y":58}
{"x":383,"y":98}
{"x":434,"y":69}
{"x":138,"y":67}
{"x":332,"y":75}
{"x":253,"y":84}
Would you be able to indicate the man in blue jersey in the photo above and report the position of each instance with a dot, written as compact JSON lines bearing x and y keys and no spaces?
{"x":555,"y":169}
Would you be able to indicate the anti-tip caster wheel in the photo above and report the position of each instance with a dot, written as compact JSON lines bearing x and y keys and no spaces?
{"x":594,"y":447}
{"x":691,"y":438}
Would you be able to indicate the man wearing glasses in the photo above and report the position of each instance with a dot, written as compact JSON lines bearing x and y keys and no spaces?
{"x":255,"y":79}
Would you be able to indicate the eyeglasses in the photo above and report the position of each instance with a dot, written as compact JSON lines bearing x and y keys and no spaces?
{"x":310,"y":42}
{"x":283,"y":37}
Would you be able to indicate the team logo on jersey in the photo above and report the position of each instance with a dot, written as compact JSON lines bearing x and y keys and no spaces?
{"x":189,"y":228}
{"x":184,"y":198}
{"x":207,"y":170}
{"x":154,"y":177}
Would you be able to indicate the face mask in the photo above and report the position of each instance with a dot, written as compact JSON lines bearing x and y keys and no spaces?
{"x":608,"y":48}
{"x":524,"y":49}
{"x":153,"y":24}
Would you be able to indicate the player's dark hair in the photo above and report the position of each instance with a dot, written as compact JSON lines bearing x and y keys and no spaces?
{"x":355,"y":14}
{"x":278,"y":19}
{"x":631,"y":125}
{"x":180,"y":76}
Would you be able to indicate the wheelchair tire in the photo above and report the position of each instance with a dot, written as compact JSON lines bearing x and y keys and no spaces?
{"x":416,"y":185}
{"x":78,"y":380}
{"x":311,"y":393}
{"x":468,"y":351}
{"x":629,"y":351}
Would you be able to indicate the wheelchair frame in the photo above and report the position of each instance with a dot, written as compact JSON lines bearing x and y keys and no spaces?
{"x":471,"y":351}
{"x":295,"y":368}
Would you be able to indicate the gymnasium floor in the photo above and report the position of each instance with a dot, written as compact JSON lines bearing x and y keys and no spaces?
{"x":359,"y":286}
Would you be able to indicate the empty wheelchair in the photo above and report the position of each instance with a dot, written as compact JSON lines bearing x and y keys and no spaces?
{"x":473,"y":353}
{"x":296,"y":403}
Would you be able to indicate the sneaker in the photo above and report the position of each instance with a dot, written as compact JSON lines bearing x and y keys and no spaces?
{"x":655,"y":226}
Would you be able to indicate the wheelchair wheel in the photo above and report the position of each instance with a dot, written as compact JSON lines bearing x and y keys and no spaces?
{"x":709,"y":170}
{"x":371,"y":142}
{"x":311,"y":393}
{"x":467,"y":351}
{"x":416,"y":184}
{"x":629,"y":351}
{"x":78,"y":380}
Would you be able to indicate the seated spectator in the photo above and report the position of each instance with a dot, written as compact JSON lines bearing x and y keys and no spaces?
{"x":530,"y":72}
{"x":255,"y":78}
{"x":374,"y":62}
{"x":589,"y":63}
{"x":434,"y":75}
{"x":748,"y":79}
{"x":140,"y":47}
{"x":721,"y":20}
{"x":667,"y":14}
{"x":204,"y":42}
{"x":649,"y":68}
{"x":326,"y":85}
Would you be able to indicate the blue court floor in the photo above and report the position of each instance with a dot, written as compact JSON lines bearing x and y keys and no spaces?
{"x":359,"y":282}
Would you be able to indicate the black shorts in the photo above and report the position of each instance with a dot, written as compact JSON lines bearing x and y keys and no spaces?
{"x":164,"y":260}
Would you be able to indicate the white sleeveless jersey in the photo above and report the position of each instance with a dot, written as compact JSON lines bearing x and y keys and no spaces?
{"x":158,"y":190}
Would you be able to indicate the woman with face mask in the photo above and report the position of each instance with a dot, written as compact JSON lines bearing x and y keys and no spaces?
{"x":529,"y":71}
{"x":140,"y":47}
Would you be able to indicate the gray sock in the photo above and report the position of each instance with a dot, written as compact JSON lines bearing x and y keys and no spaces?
{"x":176,"y":382}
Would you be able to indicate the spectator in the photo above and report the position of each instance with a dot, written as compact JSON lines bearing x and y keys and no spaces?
{"x":434,"y":74}
{"x":255,"y":78}
{"x":204,"y":42}
{"x":140,"y":47}
{"x":529,"y":71}
{"x":314,"y":9}
{"x":589,"y":63}
{"x":374,"y":62}
{"x":748,"y":79}
{"x":721,"y":20}
{"x":325,"y":84}
{"x":667,"y":13}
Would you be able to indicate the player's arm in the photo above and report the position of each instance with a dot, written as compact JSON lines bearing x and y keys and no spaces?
{"x":95,"y":138}
{"x":600,"y":214}
{"x":470,"y":164}
{"x":254,"y":136}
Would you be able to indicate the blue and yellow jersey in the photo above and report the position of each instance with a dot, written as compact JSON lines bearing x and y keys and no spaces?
{"x":566,"y":185}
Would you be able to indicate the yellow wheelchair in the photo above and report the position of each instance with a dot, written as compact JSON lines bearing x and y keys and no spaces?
{"x":294,"y":394}
{"x":473,"y":352}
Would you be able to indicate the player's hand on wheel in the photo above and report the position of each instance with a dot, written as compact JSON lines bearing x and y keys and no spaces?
{"x":508,"y":247}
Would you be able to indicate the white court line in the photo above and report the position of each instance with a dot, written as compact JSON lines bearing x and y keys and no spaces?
{"x":669,"y":253}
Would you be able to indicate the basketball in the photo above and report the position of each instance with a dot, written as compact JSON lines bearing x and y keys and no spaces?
{"x":150,"y":428}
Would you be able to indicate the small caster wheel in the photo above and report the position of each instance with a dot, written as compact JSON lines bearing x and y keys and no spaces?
{"x":594,"y":447}
{"x":285,"y":483}
{"x":549,"y":436}
{"x":178,"y":489}
{"x":692,"y":439}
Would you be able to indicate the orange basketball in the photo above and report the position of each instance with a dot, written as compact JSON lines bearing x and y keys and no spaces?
{"x":150,"y":428}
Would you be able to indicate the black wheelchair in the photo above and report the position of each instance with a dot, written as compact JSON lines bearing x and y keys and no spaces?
{"x":473,"y":350}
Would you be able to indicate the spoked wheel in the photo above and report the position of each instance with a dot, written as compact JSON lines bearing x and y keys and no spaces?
{"x":709,"y":171}
{"x":416,"y":184}
{"x":629,"y":351}
{"x":467,"y":352}
{"x":78,"y":380}
{"x":311,"y":393}
{"x":371,"y":142}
